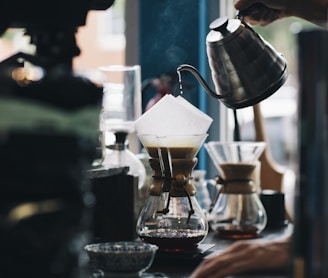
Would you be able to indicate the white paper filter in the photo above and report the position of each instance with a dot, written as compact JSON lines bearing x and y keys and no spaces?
{"x":173,"y":116}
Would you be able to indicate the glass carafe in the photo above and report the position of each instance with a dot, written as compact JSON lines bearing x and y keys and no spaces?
{"x":171,"y":217}
{"x":238,"y":212}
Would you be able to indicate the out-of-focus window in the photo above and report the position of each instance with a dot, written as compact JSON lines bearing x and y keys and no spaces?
{"x":111,"y":27}
{"x":13,"y":41}
{"x":102,"y":40}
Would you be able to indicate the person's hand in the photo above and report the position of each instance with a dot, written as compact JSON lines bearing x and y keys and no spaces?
{"x":263,"y":12}
{"x":246,"y":255}
{"x":258,"y":12}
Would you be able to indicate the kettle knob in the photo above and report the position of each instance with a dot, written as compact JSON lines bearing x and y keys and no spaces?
{"x":220,"y":25}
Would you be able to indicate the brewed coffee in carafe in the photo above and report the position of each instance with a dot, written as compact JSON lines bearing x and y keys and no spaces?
{"x":238,"y":212}
{"x":172,"y":217}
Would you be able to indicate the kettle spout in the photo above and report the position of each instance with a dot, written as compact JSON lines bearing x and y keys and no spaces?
{"x":200,"y":79}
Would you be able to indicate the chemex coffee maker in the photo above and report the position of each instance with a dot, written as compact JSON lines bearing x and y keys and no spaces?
{"x":172,"y":217}
{"x":238,"y":212}
{"x":48,"y":138}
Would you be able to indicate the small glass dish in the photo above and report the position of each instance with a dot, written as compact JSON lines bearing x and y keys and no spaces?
{"x":121,"y":259}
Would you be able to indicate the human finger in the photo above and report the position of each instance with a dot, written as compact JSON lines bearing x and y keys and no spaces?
{"x":262,"y":18}
{"x":259,"y":15}
{"x":244,"y":4}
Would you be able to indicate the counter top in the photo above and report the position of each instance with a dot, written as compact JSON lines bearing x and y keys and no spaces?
{"x":181,"y":265}
{"x":99,"y":172}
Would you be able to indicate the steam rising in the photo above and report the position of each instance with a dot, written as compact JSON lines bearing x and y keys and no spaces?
{"x":169,"y":40}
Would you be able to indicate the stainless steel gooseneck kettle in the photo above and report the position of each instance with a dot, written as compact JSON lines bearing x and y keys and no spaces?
{"x":245,"y":68}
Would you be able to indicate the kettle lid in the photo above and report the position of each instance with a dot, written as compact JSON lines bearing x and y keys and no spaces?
{"x":223,"y":30}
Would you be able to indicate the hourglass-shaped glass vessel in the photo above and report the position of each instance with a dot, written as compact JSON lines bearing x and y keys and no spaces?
{"x":121,"y":106}
{"x":171,"y":217}
{"x":238,"y":212}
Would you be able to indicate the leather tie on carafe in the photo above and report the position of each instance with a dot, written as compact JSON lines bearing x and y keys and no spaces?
{"x":237,"y":186}
{"x":241,"y":184}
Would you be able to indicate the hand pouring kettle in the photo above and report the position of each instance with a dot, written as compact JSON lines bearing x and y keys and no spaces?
{"x":245,"y":68}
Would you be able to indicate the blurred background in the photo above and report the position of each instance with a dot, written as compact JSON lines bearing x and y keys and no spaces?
{"x":159,"y":36}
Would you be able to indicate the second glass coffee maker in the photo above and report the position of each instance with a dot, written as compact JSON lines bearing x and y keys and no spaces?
{"x":238,"y":212}
{"x":172,"y":217}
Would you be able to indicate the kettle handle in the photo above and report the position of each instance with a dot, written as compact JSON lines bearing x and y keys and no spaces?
{"x":200,"y":79}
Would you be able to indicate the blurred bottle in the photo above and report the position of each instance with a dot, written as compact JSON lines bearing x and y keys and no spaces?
{"x":119,"y":155}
